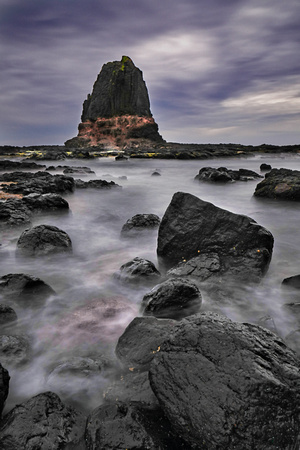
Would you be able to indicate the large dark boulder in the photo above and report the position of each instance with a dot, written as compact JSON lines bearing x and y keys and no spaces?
{"x":175,"y":298}
{"x":121,"y":425}
{"x":140,"y":223}
{"x":43,"y":240}
{"x":192,"y":227}
{"x":24,"y":288}
{"x":4,"y":385}
{"x":43,"y":423}
{"x":281,"y":184}
{"x":138,"y":270}
{"x":141,"y":340}
{"x":228,"y":385}
{"x":40,"y":182}
{"x":224,"y":175}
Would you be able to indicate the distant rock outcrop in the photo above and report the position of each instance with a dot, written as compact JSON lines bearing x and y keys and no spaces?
{"x":117,"y":113}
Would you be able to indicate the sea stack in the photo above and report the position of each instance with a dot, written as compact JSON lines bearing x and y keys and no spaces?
{"x":117,"y":113}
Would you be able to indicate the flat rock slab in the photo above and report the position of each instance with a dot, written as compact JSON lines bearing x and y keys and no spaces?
{"x":224,"y":175}
{"x":282,"y":184}
{"x":26,"y":183}
{"x":43,"y":423}
{"x":190,"y":227}
{"x":228,"y":385}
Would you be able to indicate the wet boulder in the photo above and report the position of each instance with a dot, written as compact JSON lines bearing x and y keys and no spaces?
{"x":283,"y":184}
{"x":121,"y":425}
{"x":14,"y":213}
{"x":140,"y":223}
{"x":293,"y":282}
{"x":228,"y":385}
{"x":14,"y":350}
{"x":141,"y":340}
{"x":265,"y":167}
{"x":4,"y":386}
{"x":43,"y":240}
{"x":192,"y":227}
{"x":45,"y":202}
{"x":175,"y":298}
{"x":25,"y":288}
{"x":138,"y":270}
{"x":132,"y":387}
{"x":7,"y":314}
{"x":44,"y":422}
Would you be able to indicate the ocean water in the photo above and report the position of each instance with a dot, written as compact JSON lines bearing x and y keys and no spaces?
{"x":91,"y":309}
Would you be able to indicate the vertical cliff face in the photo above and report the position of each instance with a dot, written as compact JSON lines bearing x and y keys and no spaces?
{"x":117,"y":113}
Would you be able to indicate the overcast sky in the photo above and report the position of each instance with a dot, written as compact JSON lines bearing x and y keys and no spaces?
{"x":216,"y":70}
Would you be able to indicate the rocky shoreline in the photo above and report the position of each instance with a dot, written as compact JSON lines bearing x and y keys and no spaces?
{"x":146,"y":150}
{"x":184,"y":378}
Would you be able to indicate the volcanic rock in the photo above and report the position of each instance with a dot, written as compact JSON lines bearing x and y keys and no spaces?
{"x":43,"y":240}
{"x":14,"y":350}
{"x":6,"y":164}
{"x":139,"y":223}
{"x":24,"y":288}
{"x":264,"y":167}
{"x":293,"y":281}
{"x":40,"y":182}
{"x":117,"y":113}
{"x":4,"y":385}
{"x":228,"y":385}
{"x":175,"y":298}
{"x":44,"y":202}
{"x":7,"y":314}
{"x":121,"y":425}
{"x":138,"y":270}
{"x":141,"y":340}
{"x":237,"y":245}
{"x":44,"y":423}
{"x":132,"y":387}
{"x":78,"y":170}
{"x":96,"y":184}
{"x":224,"y":175}
{"x":283,"y":184}
{"x":14,"y":213}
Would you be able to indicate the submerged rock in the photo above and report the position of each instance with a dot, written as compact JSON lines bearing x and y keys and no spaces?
{"x":139,"y":223}
{"x":44,"y":423}
{"x":138,"y":270}
{"x":264,"y":167}
{"x":228,"y":385}
{"x":4,"y":386}
{"x":175,"y":298}
{"x":282,"y":184}
{"x":43,"y":240}
{"x":293,"y":282}
{"x":141,"y":340}
{"x":237,"y":245}
{"x":24,"y":288}
{"x":224,"y":175}
{"x":96,"y":184}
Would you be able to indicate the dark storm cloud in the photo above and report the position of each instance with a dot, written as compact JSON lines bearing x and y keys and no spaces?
{"x":214,"y":69}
